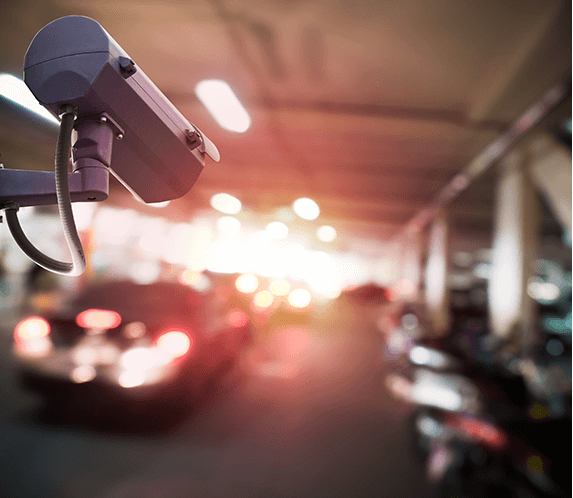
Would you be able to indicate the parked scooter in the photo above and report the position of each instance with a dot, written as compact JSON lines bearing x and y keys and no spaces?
{"x":476,"y":428}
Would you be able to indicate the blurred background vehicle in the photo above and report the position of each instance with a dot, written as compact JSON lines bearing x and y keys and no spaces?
{"x":394,"y":185}
{"x":478,"y":423}
{"x":122,"y":347}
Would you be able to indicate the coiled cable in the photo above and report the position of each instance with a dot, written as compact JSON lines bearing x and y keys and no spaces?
{"x":78,"y":264}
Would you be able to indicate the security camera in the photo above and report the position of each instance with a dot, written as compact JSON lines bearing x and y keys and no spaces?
{"x":157,"y":153}
{"x":118,"y":122}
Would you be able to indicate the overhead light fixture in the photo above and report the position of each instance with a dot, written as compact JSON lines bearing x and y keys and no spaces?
{"x":326,"y":233}
{"x":220,"y":100}
{"x":299,"y":298}
{"x":226,"y":203}
{"x":14,"y":89}
{"x":247,"y":283}
{"x":306,"y":208}
{"x":263,"y":299}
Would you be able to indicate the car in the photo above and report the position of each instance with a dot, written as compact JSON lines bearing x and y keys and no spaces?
{"x":122,"y":348}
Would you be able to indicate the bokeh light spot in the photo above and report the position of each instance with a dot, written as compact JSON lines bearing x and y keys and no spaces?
{"x":247,"y":283}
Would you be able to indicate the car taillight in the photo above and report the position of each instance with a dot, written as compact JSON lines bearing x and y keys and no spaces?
{"x":482,"y":431}
{"x":175,"y":343}
{"x":33,"y":327}
{"x":98,"y":319}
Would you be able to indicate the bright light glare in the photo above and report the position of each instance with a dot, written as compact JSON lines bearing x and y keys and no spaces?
{"x":433,"y":393}
{"x":159,"y":204}
{"x":131,"y":378}
{"x":542,"y":291}
{"x":189,"y":277}
{"x":280,"y":287}
{"x":263,"y":299}
{"x":226,"y":203}
{"x":277,"y":230}
{"x":246,"y":283}
{"x":306,"y":208}
{"x":299,"y":298}
{"x":98,"y":319}
{"x":175,"y":343}
{"x":31,"y":328}
{"x":83,"y":373}
{"x":424,"y":356}
{"x":142,"y":359}
{"x":15,"y":89}
{"x":228,"y":224}
{"x":220,"y":100}
{"x":419,"y":355}
{"x":84,"y":355}
{"x":37,"y":348}
{"x":326,"y":233}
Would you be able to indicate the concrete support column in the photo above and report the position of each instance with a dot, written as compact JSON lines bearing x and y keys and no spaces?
{"x":411,"y":271}
{"x":437,"y":294}
{"x":514,"y":252}
{"x":550,"y":169}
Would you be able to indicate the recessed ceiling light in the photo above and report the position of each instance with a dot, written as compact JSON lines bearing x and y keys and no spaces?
{"x":220,"y":100}
{"x":306,"y":208}
{"x":326,"y":233}
{"x":226,"y":203}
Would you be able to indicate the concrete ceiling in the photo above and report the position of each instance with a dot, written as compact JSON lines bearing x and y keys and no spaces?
{"x":369,"y":108}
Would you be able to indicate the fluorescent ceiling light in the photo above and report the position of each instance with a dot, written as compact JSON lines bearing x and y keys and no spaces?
{"x":326,"y":233}
{"x":219,"y":99}
{"x":226,"y":203}
{"x":306,"y":208}
{"x":14,"y":89}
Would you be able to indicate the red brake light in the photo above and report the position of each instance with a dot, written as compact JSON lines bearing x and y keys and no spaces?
{"x":98,"y":319}
{"x":31,"y":328}
{"x":175,"y":343}
{"x":482,"y":431}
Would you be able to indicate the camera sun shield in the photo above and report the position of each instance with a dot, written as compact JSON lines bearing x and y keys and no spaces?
{"x":157,"y":154}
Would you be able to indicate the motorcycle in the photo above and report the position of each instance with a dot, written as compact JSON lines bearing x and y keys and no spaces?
{"x":478,"y":429}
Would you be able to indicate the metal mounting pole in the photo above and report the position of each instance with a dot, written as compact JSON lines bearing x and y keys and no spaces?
{"x":89,"y":181}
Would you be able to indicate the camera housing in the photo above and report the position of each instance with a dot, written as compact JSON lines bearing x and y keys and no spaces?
{"x":157,"y":154}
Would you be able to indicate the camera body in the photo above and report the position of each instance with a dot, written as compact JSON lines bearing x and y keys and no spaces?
{"x":157,"y":154}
